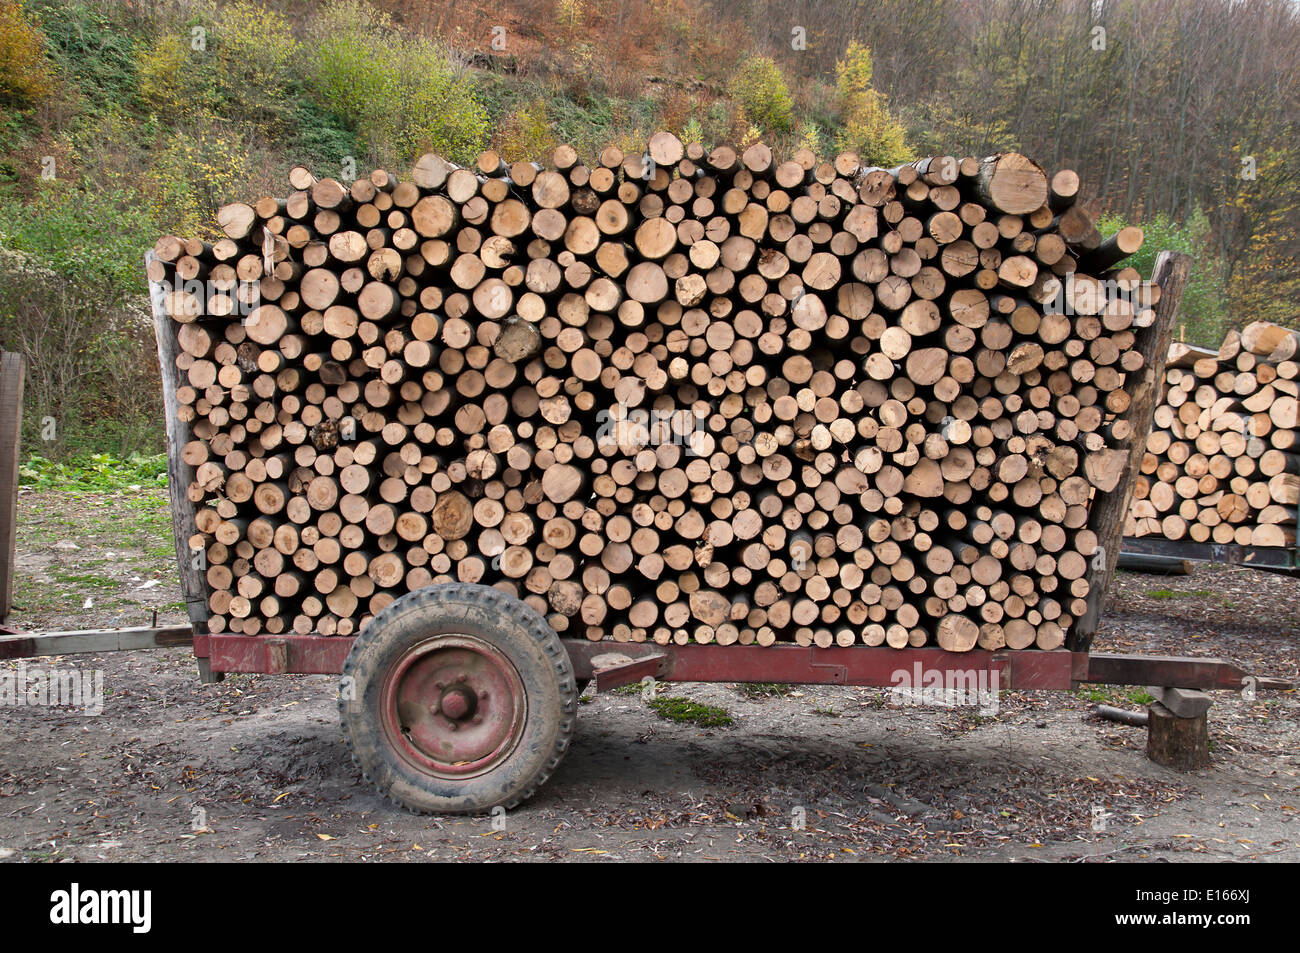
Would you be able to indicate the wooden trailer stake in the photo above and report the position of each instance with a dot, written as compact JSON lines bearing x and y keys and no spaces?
{"x":1110,"y":508}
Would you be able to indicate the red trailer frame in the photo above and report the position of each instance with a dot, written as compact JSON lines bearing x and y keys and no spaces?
{"x":613,"y":664}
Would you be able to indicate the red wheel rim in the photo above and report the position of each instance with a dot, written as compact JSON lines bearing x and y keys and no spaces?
{"x":454,"y":706}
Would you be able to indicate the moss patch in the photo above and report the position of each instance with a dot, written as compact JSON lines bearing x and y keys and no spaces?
{"x":676,"y":708}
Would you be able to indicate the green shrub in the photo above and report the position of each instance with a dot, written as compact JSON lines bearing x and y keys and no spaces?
{"x":95,"y":471}
{"x":256,"y":52}
{"x":527,"y":133}
{"x":317,"y":137}
{"x":94,"y":46}
{"x":809,"y":137}
{"x":92,"y":368}
{"x":81,"y":231}
{"x":241,"y":67}
{"x":398,"y":91}
{"x":760,"y":89}
{"x":176,"y":79}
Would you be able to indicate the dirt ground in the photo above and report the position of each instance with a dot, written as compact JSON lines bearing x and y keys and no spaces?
{"x":255,"y":767}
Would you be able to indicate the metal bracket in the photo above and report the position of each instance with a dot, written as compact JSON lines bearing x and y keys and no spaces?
{"x":613,"y":670}
{"x":839,"y":674}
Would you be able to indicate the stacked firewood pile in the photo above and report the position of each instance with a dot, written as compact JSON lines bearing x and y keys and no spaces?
{"x":1222,"y":463}
{"x":684,"y":395}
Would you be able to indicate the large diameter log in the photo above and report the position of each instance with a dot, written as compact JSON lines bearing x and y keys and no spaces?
{"x":236,"y":219}
{"x":519,"y":340}
{"x":1270,"y":341}
{"x":1012,"y":183}
{"x":956,"y":633}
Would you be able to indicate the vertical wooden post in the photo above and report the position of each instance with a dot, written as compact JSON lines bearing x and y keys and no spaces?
{"x":1177,"y":730}
{"x":13,"y":371}
{"x":179,"y":473}
{"x":1110,"y":510}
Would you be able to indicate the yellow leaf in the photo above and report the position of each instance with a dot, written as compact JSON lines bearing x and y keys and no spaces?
{"x":324,"y":837}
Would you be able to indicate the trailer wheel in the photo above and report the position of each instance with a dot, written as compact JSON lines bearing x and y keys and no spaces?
{"x":458,"y":698}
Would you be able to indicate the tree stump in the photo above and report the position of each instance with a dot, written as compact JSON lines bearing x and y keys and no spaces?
{"x":1179,"y":743}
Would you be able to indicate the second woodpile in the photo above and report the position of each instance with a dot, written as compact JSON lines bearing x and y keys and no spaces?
{"x":673,"y":396}
{"x":1222,"y":462}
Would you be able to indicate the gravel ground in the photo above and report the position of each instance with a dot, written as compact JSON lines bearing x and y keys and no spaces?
{"x":255,"y":767}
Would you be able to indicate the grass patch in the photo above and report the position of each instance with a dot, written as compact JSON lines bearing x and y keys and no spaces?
{"x":1118,"y":696}
{"x":122,"y":528}
{"x":85,"y":580}
{"x":676,"y":708}
{"x":33,"y":596}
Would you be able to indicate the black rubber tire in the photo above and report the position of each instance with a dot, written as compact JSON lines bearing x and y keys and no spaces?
{"x":513,"y":629}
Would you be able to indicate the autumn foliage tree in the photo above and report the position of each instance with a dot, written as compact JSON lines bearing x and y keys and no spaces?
{"x":868,"y":128}
{"x":24,"y":74}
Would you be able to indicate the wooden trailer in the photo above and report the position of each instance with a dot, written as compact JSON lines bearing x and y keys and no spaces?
{"x":458,"y":697}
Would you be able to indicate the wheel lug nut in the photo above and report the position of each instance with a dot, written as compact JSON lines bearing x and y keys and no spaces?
{"x":460,"y":678}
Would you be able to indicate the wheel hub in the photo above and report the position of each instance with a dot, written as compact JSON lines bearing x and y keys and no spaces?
{"x":458,"y":704}
{"x":454,"y":706}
